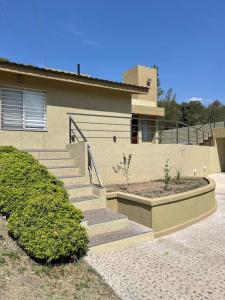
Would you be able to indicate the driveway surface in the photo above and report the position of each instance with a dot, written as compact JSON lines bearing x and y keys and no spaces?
{"x":188,"y":264}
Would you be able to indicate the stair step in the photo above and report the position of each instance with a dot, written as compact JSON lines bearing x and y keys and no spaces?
{"x":74,"y":179}
{"x":49,"y":153}
{"x":102,"y":215}
{"x":64,"y":170}
{"x":88,"y":202}
{"x":79,"y":190}
{"x":54,"y":162}
{"x":104,"y":220}
{"x":83,"y":198}
{"x":46,"y":150}
{"x":119,"y":239}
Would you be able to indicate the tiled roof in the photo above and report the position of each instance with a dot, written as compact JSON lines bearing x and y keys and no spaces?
{"x":4,"y":63}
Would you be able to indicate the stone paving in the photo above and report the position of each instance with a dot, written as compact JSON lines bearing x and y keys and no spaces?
{"x":188,"y":264}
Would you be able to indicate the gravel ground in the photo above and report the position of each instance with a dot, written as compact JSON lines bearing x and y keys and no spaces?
{"x":188,"y":264}
{"x":153,"y":189}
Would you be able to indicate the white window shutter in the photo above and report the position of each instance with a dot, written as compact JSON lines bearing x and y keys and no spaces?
{"x":23,"y":109}
{"x":34,"y":110}
{"x":12,"y":109}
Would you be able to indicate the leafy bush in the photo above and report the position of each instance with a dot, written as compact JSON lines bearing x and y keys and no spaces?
{"x":40,"y":216}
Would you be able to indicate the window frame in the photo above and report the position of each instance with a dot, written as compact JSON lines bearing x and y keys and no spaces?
{"x":18,"y":89}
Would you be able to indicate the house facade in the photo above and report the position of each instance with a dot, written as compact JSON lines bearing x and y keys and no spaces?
{"x":37,"y":103}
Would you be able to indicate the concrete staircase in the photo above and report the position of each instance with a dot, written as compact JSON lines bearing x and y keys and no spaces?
{"x":107,"y":229}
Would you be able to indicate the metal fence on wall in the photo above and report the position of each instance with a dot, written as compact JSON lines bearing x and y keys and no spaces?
{"x":135,"y":129}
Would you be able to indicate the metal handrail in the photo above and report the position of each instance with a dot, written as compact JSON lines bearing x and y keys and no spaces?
{"x":192,"y":126}
{"x":91,"y":162}
{"x":91,"y":165}
{"x":71,"y":121}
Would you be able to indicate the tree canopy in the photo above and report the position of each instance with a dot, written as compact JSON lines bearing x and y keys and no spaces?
{"x":191,"y":112}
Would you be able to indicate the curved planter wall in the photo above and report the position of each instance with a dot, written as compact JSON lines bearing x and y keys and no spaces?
{"x":169,"y":213}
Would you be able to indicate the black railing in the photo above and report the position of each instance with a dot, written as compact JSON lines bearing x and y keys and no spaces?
{"x":136,"y":129}
{"x":76,"y":135}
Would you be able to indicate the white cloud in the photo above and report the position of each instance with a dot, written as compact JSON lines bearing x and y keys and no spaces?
{"x":204,"y":101}
{"x":200,"y":99}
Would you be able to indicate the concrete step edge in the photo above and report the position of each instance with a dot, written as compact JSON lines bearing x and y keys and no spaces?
{"x":62,"y":167}
{"x":70,"y":176}
{"x":83,"y":198}
{"x":57,"y":158}
{"x":45,"y":150}
{"x":102,"y":215}
{"x":118,"y":235}
{"x":77,"y":186}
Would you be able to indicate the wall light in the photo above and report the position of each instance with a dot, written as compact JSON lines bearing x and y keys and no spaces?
{"x":149,"y":82}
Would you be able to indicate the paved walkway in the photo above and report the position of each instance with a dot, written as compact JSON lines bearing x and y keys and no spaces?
{"x":188,"y":264}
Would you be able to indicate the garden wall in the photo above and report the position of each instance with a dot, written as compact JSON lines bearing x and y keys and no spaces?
{"x":169,"y":213}
{"x":148,"y":160}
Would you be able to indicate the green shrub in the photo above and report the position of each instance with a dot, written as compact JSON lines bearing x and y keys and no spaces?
{"x":40,"y":216}
{"x":22,"y":177}
{"x":48,"y":229}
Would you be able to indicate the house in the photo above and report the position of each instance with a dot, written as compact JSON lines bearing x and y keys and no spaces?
{"x":36,"y":104}
{"x":43,"y":110}
{"x":78,"y":127}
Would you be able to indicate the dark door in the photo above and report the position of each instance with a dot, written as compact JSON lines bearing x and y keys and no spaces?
{"x":134,"y":130}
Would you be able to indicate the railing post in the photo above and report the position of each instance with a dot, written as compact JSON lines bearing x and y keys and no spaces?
{"x":177,"y":132}
{"x":70,"y":138}
{"x":196,"y":136}
{"x":188,"y":135}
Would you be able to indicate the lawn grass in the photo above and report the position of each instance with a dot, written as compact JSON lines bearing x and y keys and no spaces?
{"x":21,"y":278}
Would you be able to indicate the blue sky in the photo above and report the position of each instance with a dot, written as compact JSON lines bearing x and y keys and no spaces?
{"x":185,"y":38}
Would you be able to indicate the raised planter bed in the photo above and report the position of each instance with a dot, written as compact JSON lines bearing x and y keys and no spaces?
{"x":170,"y":211}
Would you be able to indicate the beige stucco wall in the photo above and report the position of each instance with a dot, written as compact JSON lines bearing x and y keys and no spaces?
{"x":139,"y":76}
{"x":148,"y":160}
{"x":219,"y":132}
{"x":63,"y":98}
{"x":220,"y":144}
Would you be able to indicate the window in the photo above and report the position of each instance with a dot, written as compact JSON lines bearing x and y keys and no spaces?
{"x":23,"y":109}
{"x":146,"y":131}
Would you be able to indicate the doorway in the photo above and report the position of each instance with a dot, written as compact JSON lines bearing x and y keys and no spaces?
{"x":134,"y":130}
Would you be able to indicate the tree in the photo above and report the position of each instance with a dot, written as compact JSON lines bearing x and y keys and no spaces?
{"x":215,"y":111}
{"x":160,"y":91}
{"x":172,"y":108}
{"x":193,"y":113}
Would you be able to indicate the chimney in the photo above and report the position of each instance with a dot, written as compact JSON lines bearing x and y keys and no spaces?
{"x":143,"y":76}
{"x":78,"y":69}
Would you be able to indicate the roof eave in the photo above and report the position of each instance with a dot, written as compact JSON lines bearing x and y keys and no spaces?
{"x":28,"y":70}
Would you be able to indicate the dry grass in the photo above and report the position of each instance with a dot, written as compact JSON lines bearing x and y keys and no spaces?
{"x":22,"y":278}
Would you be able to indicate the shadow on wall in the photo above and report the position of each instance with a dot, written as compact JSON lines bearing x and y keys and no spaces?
{"x":221,"y":152}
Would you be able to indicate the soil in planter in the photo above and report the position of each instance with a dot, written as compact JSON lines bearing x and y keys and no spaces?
{"x":153,"y":189}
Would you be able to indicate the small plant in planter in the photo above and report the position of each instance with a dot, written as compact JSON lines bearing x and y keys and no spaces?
{"x":178,"y":177}
{"x":167,"y":176}
{"x":123,"y":167}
